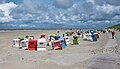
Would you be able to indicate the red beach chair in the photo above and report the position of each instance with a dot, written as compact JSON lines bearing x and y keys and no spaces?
{"x":57,"y":45}
{"x":42,"y":36}
{"x":32,"y":45}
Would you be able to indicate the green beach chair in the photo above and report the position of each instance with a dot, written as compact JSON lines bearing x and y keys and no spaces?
{"x":75,"y":40}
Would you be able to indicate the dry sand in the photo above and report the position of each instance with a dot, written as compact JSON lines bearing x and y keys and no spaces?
{"x":72,"y":57}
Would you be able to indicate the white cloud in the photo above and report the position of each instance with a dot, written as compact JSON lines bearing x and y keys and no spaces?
{"x":107,"y":21}
{"x":62,"y":12}
{"x":6,"y":19}
{"x":6,"y":10}
{"x":106,"y":8}
{"x":23,"y":25}
{"x":116,"y":17}
{"x":7,"y":7}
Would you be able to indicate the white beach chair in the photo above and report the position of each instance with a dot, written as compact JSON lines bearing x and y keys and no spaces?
{"x":51,"y":40}
{"x":89,"y":38}
{"x":31,"y":37}
{"x":16,"y":43}
{"x":24,"y":44}
{"x":41,"y":44}
{"x":84,"y":36}
{"x":67,"y":40}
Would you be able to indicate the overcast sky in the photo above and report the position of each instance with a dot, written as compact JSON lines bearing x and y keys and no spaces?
{"x":60,"y":11}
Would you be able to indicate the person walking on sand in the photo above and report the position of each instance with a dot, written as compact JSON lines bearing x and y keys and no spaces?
{"x":113,"y":34}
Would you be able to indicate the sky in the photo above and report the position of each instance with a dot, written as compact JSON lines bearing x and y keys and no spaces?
{"x":65,"y":13}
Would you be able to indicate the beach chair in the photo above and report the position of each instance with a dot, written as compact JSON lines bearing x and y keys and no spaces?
{"x":51,"y":40}
{"x":96,"y":35}
{"x":85,"y":36}
{"x":68,"y":33}
{"x":64,"y":34}
{"x":75,"y":40}
{"x":24,"y":44}
{"x":81,"y":35}
{"x":62,"y":43}
{"x":67,"y":40}
{"x":42,"y":36}
{"x":78,"y":33}
{"x":94,"y":38}
{"x":89,"y":38}
{"x":41,"y":44}
{"x":16,"y":43}
{"x":71,"y":33}
{"x":57,"y":45}
{"x":49,"y":43}
{"x":57,"y":37}
{"x":32,"y":45}
{"x":31,"y":38}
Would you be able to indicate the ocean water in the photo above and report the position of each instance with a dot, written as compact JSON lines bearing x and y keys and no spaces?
{"x":48,"y":26}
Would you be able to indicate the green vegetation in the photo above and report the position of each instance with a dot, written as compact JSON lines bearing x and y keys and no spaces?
{"x":26,"y":36}
{"x":20,"y":38}
{"x":116,"y":27}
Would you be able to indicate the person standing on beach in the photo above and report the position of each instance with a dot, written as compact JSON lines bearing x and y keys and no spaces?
{"x":113,"y":34}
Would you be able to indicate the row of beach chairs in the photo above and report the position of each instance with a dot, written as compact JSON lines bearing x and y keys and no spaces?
{"x":55,"y":41}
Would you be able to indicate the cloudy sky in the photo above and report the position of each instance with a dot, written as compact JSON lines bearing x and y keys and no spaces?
{"x":60,"y":12}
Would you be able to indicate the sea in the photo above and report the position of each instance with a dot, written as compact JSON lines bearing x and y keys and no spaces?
{"x":30,"y":26}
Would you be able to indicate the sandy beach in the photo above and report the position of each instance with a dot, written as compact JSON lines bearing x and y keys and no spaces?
{"x":80,"y":56}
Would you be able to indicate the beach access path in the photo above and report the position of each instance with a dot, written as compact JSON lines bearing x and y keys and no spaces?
{"x":106,"y":60}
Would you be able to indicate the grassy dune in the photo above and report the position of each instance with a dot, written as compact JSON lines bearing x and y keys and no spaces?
{"x":116,"y":27}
